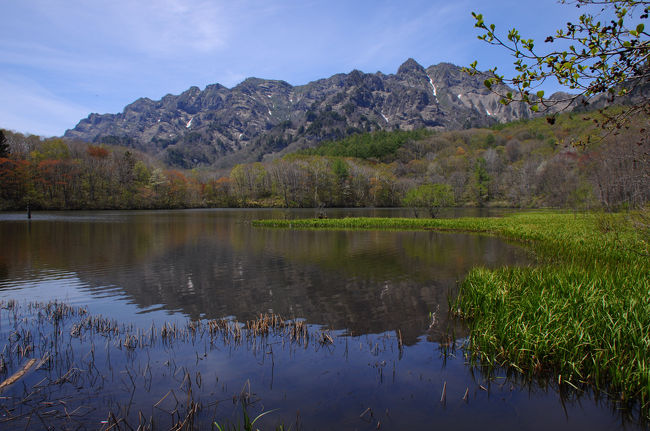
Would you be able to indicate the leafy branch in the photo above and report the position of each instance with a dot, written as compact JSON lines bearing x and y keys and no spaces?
{"x":601,"y":57}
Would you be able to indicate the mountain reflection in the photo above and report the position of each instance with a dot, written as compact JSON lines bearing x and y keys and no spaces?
{"x":211,"y":264}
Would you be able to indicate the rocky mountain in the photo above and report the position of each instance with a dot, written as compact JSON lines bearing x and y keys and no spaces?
{"x":260,"y":119}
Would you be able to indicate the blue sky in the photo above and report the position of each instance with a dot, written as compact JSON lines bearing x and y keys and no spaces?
{"x":60,"y":60}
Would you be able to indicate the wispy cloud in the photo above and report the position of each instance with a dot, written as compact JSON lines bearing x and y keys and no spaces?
{"x":160,"y":28}
{"x":27,"y":107}
{"x":172,"y":27}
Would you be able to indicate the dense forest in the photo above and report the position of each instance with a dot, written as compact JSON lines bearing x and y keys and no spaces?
{"x":571,"y":163}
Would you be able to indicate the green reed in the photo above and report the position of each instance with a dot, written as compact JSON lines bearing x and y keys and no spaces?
{"x":582,"y":314}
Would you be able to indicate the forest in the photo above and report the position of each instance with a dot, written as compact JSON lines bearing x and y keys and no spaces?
{"x":572,"y":163}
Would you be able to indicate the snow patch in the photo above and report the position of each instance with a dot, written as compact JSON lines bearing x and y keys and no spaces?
{"x":269,"y":112}
{"x":240,"y":135}
{"x":488,"y":112}
{"x":382,"y":114}
{"x":189,"y":123}
{"x":268,"y":95}
{"x":433,"y":86}
{"x":459,"y":96}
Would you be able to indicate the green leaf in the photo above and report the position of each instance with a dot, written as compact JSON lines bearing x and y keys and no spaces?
{"x":488,"y":83}
{"x":540,"y":93}
{"x":534,"y":108}
{"x":639,"y":28}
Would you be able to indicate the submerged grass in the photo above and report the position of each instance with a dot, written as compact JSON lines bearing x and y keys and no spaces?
{"x":582,"y":314}
{"x":62,"y":367}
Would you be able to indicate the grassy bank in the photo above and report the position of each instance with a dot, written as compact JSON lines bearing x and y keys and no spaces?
{"x":582,"y":314}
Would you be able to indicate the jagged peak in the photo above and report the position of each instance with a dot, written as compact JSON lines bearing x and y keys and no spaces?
{"x":192,"y":89}
{"x":139,"y":104}
{"x":355,"y":77}
{"x":216,"y":85}
{"x":259,"y":82}
{"x":251,"y":80}
{"x":410,"y":66}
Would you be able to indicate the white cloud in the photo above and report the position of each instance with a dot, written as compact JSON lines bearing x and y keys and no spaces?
{"x":151,"y":28}
{"x":29,"y":108}
{"x":164,"y":27}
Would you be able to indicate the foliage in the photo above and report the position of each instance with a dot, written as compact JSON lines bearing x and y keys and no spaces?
{"x":581,"y":314}
{"x":58,"y":174}
{"x":97,"y":152}
{"x":430,"y":196}
{"x":522,"y":164}
{"x":480,"y":181}
{"x":340,"y":169}
{"x":604,"y":52}
{"x":375,"y":145}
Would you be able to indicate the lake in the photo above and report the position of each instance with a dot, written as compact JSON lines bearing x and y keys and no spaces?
{"x":383,"y":351}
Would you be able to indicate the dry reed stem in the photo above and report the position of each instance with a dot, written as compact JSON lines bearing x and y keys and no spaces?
{"x":18,"y":374}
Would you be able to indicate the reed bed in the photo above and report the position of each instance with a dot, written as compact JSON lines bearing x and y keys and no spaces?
{"x":581,"y":315}
{"x":61,"y":366}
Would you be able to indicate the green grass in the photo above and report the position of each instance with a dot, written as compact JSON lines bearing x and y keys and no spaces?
{"x":247,"y":424}
{"x":582,"y":314}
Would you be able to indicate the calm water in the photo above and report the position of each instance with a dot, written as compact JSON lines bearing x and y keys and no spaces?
{"x":167,"y":266}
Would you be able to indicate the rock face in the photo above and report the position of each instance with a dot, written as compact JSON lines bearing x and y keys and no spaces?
{"x":261,"y":119}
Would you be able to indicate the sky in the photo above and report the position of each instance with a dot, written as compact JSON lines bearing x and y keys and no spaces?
{"x":61,"y":60}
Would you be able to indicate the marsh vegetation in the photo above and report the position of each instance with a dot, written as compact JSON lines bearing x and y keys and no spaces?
{"x":581,"y":315}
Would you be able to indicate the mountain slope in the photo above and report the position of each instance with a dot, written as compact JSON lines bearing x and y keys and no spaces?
{"x":260,"y":118}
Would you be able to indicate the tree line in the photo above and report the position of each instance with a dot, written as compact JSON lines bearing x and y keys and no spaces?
{"x":59,"y":174}
{"x":529,"y":163}
{"x":524,"y":164}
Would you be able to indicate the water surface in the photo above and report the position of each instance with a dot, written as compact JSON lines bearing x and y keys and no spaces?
{"x":368,"y":287}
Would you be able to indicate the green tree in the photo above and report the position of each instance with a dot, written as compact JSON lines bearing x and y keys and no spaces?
{"x":430,"y":196}
{"x":480,"y":182}
{"x":595,"y":56}
{"x":340,"y":169}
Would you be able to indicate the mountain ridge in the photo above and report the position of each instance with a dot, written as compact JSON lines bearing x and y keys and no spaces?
{"x":260,"y":119}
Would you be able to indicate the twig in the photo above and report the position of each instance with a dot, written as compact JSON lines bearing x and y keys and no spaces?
{"x":18,"y":374}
